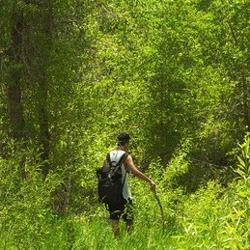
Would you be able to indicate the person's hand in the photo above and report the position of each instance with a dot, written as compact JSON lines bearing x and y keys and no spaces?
{"x":152,"y":186}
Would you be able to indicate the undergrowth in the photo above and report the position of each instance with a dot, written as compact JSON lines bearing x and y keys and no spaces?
{"x":213,"y":217}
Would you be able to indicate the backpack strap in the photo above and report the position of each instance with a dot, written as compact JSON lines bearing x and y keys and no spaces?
{"x":109,"y":159}
{"x":118,"y":164}
{"x":122,"y":159}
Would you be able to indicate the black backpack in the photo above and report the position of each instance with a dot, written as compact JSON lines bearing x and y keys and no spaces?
{"x":110,"y":182}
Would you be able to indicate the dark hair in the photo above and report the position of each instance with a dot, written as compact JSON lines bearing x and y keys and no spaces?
{"x":123,"y":138}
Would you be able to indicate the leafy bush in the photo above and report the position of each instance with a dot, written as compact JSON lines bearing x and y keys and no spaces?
{"x":243,"y":166}
{"x":213,"y":217}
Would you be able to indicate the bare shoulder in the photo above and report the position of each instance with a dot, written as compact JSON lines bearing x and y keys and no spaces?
{"x":129,"y":163}
{"x":129,"y":159}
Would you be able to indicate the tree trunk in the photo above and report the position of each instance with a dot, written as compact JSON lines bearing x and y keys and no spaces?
{"x":44,"y":123}
{"x":14,"y":93}
{"x":43,"y":86}
{"x":246,"y":106}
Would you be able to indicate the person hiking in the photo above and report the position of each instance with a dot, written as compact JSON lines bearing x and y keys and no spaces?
{"x":123,"y":208}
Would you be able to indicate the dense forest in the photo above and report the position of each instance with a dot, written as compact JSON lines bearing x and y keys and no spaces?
{"x":175,"y":75}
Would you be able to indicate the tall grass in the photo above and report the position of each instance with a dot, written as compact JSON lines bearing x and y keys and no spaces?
{"x":214,"y":217}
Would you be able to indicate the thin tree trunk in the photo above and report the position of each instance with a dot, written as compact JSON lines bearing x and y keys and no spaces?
{"x":15,"y":111}
{"x":246,"y":106}
{"x":14,"y":90}
{"x":43,"y":88}
{"x":14,"y":93}
{"x":44,"y":123}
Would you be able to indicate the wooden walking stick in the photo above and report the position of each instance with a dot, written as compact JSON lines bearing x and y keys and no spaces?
{"x":161,"y":209}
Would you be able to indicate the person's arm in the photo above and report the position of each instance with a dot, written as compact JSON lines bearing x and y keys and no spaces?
{"x":131,"y":167}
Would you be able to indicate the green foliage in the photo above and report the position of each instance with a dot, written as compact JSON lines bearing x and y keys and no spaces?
{"x":163,"y":71}
{"x":27,"y":220}
{"x":212,"y":217}
{"x":243,"y":166}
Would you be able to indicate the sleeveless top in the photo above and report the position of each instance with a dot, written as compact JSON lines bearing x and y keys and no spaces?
{"x":116,"y":155}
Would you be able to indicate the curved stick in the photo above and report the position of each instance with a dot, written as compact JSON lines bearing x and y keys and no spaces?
{"x":161,"y":209}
